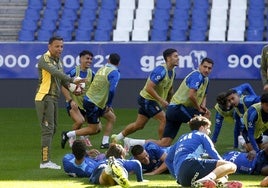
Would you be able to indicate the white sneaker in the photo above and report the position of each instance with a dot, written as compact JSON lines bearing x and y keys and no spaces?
{"x":50,"y":165}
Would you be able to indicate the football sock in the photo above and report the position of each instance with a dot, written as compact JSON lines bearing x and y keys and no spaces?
{"x":105,"y":139}
{"x":71,"y":134}
{"x":120,"y":136}
{"x":211,"y":176}
{"x":134,"y":142}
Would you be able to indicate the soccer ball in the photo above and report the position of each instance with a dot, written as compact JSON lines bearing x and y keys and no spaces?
{"x":77,"y":88}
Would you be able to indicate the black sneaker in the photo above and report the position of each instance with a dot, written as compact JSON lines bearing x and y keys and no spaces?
{"x":64,"y":139}
{"x":105,"y":146}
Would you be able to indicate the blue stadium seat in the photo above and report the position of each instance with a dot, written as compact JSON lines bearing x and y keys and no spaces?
{"x":197,"y":35}
{"x":66,"y":24}
{"x":254,"y":35}
{"x":256,"y":4}
{"x":104,"y":24}
{"x":178,"y":35}
{"x":66,"y":34}
{"x":89,"y":14}
{"x":102,"y":35}
{"x":183,"y":4}
{"x":201,"y":4}
{"x":160,"y":24}
{"x":107,"y":14}
{"x":44,"y":35}
{"x":72,"y":4}
{"x":53,"y":4}
{"x":26,"y":35}
{"x":47,"y":24}
{"x":29,"y":24}
{"x":85,"y":24}
{"x":83,"y":35}
{"x":90,"y":4}
{"x":51,"y":14}
{"x":69,"y":14}
{"x":35,"y":4}
{"x":33,"y":14}
{"x":109,"y":4}
{"x":163,"y":4}
{"x":180,"y":23}
{"x":162,"y":14}
{"x":158,"y":35}
{"x":180,"y":13}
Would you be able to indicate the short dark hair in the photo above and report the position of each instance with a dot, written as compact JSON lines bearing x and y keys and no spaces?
{"x":53,"y":38}
{"x":137,"y":150}
{"x":222,"y":100}
{"x":114,"y":58}
{"x":206,"y":59}
{"x":85,"y":52}
{"x":79,"y":149}
{"x":230,"y":92}
{"x":264,"y":98}
{"x":197,"y":121}
{"x":115,"y":150}
{"x":168,"y":52}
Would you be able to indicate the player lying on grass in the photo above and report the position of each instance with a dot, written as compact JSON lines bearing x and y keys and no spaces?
{"x":115,"y":170}
{"x":81,"y":163}
{"x":186,"y":164}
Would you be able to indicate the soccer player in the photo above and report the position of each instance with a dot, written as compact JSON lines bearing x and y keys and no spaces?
{"x":154,"y":96}
{"x":264,"y":68}
{"x":256,"y":123}
{"x":185,"y":161}
{"x":152,"y":158}
{"x":188,"y":100}
{"x":98,"y":98}
{"x":241,"y":104}
{"x":225,"y":110}
{"x":256,"y":166}
{"x":81,"y":163}
{"x":115,"y":170}
{"x":74,"y":102}
{"x":51,"y":78}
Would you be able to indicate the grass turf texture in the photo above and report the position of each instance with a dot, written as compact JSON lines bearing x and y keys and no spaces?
{"x":20,"y":151}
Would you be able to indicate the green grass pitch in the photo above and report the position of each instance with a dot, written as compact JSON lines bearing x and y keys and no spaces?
{"x":20,"y":151}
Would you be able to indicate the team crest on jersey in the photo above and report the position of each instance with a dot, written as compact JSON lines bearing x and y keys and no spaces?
{"x":197,"y":57}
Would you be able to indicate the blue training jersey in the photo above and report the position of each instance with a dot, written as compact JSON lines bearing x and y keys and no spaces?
{"x":190,"y":145}
{"x":113,"y":78}
{"x":159,"y":73}
{"x":83,"y":170}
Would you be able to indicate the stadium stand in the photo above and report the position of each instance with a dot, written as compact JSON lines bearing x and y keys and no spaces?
{"x":143,"y":20}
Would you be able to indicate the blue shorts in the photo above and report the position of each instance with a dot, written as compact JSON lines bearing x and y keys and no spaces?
{"x":148,"y":108}
{"x":261,"y":161}
{"x":175,"y":116}
{"x":93,"y":112}
{"x":95,"y":176}
{"x":194,"y":169}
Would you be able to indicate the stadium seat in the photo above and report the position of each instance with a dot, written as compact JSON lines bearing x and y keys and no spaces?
{"x":142,"y":24}
{"x":69,"y":14}
{"x":109,"y":4}
{"x":254,"y":35}
{"x":217,"y":34}
{"x":158,"y":35}
{"x":121,"y":35}
{"x":163,"y":4}
{"x":88,"y":14}
{"x":140,"y":35}
{"x":124,"y":24}
{"x":102,"y":35}
{"x":44,"y":35}
{"x":29,"y":24}
{"x":178,"y":35}
{"x":182,"y":4}
{"x":50,"y":14}
{"x":72,"y":4}
{"x":107,"y":14}
{"x":218,"y":23}
{"x":180,"y":24}
{"x":125,"y":13}
{"x":127,"y":4}
{"x":160,"y":24}
{"x":35,"y":4}
{"x":223,"y":4}
{"x":201,"y":4}
{"x":256,"y":4}
{"x":197,"y":35}
{"x":85,"y":24}
{"x":161,"y":14}
{"x":180,"y":13}
{"x":26,"y":35}
{"x":241,"y":4}
{"x":66,"y":24}
{"x":90,"y":4}
{"x":143,"y":14}
{"x":47,"y":24}
{"x":235,"y":34}
{"x":104,"y":24}
{"x":53,"y":4}
{"x":33,"y":14}
{"x":66,"y":34}
{"x":148,"y":4}
{"x":83,"y":35}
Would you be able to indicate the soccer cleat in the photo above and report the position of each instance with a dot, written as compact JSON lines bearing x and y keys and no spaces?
{"x":264,"y":182}
{"x":206,"y":183}
{"x":233,"y":184}
{"x":64,"y":139}
{"x":118,"y":173}
{"x":105,"y":146}
{"x":50,"y":165}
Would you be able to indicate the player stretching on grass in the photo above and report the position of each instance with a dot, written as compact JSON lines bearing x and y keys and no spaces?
{"x":154,"y":96}
{"x":74,"y":102}
{"x":186,"y":164}
{"x":98,"y":98}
